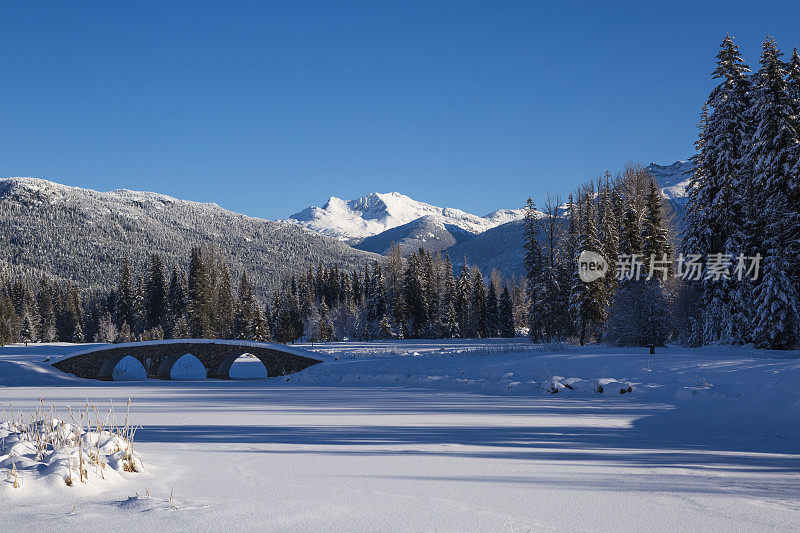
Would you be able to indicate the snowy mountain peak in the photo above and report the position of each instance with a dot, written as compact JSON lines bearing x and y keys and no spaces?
{"x":357,"y":219}
{"x":673,"y":179}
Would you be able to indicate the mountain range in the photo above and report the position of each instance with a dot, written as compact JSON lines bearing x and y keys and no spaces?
{"x":373,"y":222}
{"x":354,"y":220}
{"x":82,"y":235}
{"x":75,"y":234}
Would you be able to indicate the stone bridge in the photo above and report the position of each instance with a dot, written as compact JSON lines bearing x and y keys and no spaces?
{"x":158,"y":357}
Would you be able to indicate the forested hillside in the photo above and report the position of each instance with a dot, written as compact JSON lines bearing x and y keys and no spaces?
{"x":80,"y":235}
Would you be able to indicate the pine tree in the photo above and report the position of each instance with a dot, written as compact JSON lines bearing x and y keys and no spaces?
{"x":719,"y":205}
{"x":245,"y":309}
{"x":139,"y":325}
{"x":223,"y":306}
{"x":506,"y":314}
{"x":416,"y":295}
{"x":773,"y":157}
{"x":77,"y":335}
{"x":777,"y":306}
{"x":534,"y":264}
{"x":491,"y":314}
{"x":156,"y":293}
{"x":655,"y":241}
{"x":28,"y":331}
{"x":630,"y":241}
{"x":200,"y":290}
{"x":176,"y":301}
{"x":260,"y":329}
{"x":608,"y":231}
{"x":478,"y":305}
{"x":447,"y":311}
{"x":123,"y":310}
{"x":588,"y":301}
{"x":44,"y":302}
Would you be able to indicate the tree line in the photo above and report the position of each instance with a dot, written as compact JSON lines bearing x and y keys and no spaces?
{"x":614,"y":216}
{"x":417,"y":297}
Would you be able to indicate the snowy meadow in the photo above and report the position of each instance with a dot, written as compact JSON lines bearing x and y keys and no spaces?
{"x":434,"y":435}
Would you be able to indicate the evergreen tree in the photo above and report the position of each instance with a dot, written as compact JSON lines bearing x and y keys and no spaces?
{"x":630,"y":242}
{"x":77,"y":335}
{"x":156,"y":293}
{"x":724,"y":194}
{"x":223,"y":305}
{"x":491,"y":314}
{"x":28,"y":331}
{"x":655,"y":241}
{"x":260,"y":330}
{"x":245,"y":310}
{"x":200,"y":290}
{"x":139,"y":325}
{"x":478,"y":305}
{"x":777,"y":306}
{"x":608,"y":232}
{"x":588,"y":301}
{"x":47,"y":323}
{"x":123,"y":310}
{"x":506,"y":314}
{"x":176,"y":301}
{"x":533,"y":262}
{"x":416,"y":295}
{"x":773,"y":157}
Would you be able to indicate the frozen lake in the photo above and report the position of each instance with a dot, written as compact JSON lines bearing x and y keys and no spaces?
{"x":441,"y":436}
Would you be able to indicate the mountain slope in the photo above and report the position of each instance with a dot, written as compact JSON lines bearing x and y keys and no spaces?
{"x":673,"y":179}
{"x":82,"y":235}
{"x":498,"y":248}
{"x":425,"y":232}
{"x":501,"y":247}
{"x":355,"y":220}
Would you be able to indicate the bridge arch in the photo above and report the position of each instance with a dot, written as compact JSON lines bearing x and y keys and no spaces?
{"x":159,"y":357}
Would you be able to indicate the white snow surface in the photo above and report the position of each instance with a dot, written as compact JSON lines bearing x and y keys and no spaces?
{"x":188,"y":367}
{"x":377,"y":212}
{"x":128,"y":369}
{"x":441,"y":435}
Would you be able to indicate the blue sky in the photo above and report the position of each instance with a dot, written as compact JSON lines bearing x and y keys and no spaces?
{"x":267,"y":107}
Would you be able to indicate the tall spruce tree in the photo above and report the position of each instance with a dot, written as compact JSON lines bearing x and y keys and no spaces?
{"x":588,"y":300}
{"x":506,"y":314}
{"x":156,"y":293}
{"x":726,"y":190}
{"x":123,"y":309}
{"x":655,"y":239}
{"x":223,"y":306}
{"x":199,"y":301}
{"x":534,"y":267}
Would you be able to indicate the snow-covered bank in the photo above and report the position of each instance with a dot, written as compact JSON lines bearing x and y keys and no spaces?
{"x":319,"y":453}
{"x":40,"y":452}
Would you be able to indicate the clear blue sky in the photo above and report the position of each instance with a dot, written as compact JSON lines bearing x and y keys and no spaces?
{"x":267,"y":107}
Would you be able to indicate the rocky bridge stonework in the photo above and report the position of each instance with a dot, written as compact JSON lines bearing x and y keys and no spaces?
{"x":158,"y":357}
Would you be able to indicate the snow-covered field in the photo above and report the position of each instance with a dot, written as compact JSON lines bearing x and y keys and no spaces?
{"x":459,"y":435}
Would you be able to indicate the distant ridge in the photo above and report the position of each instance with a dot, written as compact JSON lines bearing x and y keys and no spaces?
{"x":81,"y":235}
